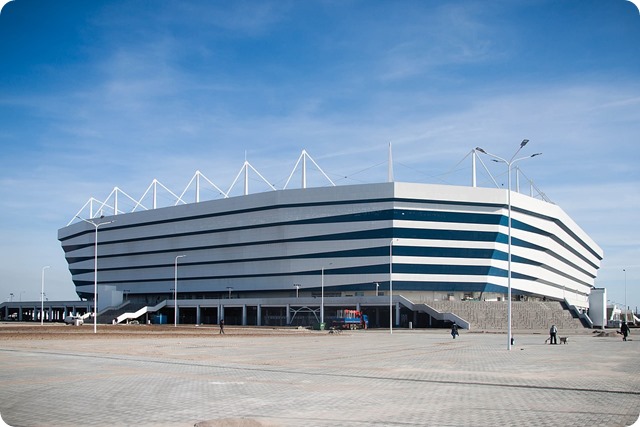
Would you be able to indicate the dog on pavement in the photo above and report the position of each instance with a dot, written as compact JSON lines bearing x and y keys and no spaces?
{"x":563,"y":340}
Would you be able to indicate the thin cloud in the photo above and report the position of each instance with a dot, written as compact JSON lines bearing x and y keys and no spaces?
{"x":188,"y":85}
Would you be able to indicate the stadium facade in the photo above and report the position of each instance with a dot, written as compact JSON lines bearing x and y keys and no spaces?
{"x":427,"y":242}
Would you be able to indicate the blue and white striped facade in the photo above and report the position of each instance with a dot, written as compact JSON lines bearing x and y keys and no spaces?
{"x":447,"y":242}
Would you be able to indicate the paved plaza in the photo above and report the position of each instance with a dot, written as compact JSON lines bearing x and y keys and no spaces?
{"x":187,"y":376}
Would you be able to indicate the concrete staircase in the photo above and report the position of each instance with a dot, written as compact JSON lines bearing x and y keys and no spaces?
{"x":525,"y":315}
{"x":107,"y":315}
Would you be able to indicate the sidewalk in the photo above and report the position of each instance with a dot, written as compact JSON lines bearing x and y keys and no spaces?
{"x":361,"y":378}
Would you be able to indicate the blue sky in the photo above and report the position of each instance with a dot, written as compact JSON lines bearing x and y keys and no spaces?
{"x":98,"y":94}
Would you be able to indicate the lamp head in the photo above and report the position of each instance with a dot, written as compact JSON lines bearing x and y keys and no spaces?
{"x":523,"y":143}
{"x":536,"y":154}
{"x":480,"y":150}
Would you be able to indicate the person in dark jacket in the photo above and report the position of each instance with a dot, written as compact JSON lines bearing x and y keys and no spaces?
{"x":624,"y":330}
{"x":222,"y":326}
{"x":553,"y":335}
{"x":454,"y":331}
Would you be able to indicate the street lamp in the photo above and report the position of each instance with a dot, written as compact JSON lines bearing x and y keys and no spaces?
{"x":297,"y":289}
{"x":377,"y":286}
{"x":625,"y":294}
{"x":322,"y":294}
{"x":230,"y":288}
{"x":95,"y":270}
{"x":175,"y":291}
{"x":509,"y":164}
{"x":391,"y":287}
{"x":42,"y":297}
{"x":11,"y":297}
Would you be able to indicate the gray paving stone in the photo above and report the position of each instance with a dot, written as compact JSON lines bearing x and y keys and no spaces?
{"x":362,"y":378}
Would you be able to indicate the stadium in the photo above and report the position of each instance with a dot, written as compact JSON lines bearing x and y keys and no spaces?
{"x":408,"y":254}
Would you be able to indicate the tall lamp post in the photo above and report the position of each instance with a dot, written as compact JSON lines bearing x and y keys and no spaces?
{"x":175,"y":291}
{"x":322,"y":296}
{"x":297,"y":289}
{"x":391,"y":287}
{"x":42,"y":297}
{"x":95,"y":270}
{"x":625,"y":293}
{"x":509,"y":164}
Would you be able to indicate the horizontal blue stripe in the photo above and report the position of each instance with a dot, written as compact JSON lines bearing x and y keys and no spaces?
{"x":382,"y":251}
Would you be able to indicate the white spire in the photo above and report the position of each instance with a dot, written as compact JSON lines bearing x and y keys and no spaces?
{"x":390,"y":175}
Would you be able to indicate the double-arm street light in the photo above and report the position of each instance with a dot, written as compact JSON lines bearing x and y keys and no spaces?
{"x":175,"y":291}
{"x":95,"y":270}
{"x":42,"y":297}
{"x":509,"y":164}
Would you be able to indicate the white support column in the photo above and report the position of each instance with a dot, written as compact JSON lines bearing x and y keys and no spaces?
{"x":246,"y":178}
{"x":473,"y":168}
{"x":530,"y":188}
{"x":198,"y":187}
{"x":397,"y":313}
{"x":304,"y":169}
{"x":390,"y":170}
{"x":198,"y":314}
{"x":155,"y":193}
{"x":220,"y":312}
{"x":288,"y":314}
{"x":244,"y":314}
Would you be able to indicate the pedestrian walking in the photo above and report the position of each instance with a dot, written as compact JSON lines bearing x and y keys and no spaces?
{"x":624,"y":330}
{"x":222,"y":326}
{"x":553,"y":335}
{"x":454,"y":331}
